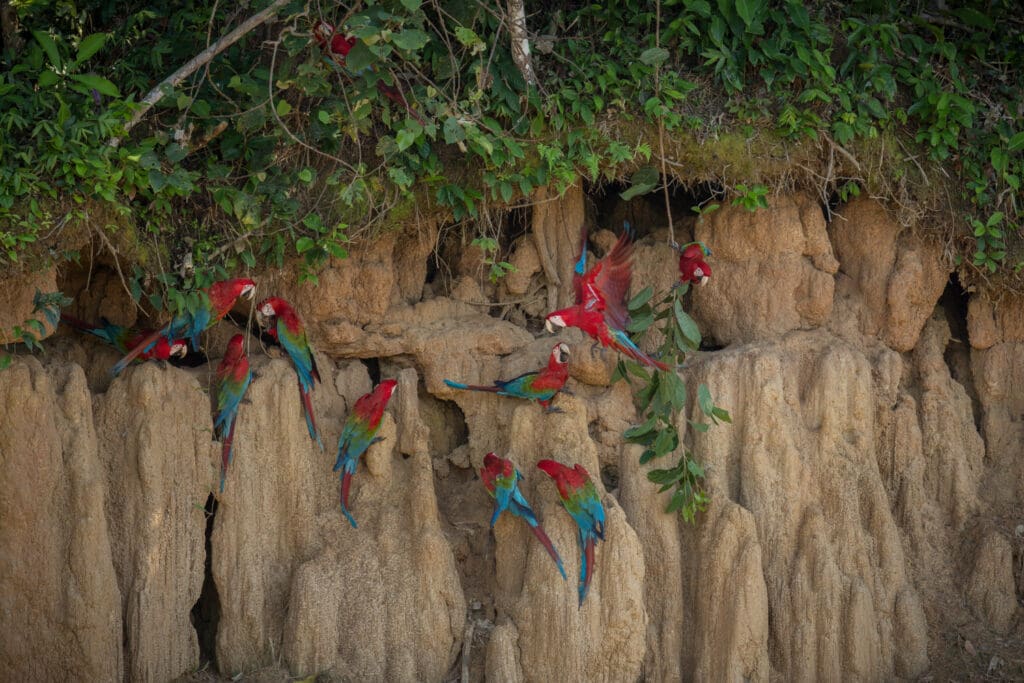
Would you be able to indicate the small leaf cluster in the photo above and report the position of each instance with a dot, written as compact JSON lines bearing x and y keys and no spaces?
{"x":661,"y":399}
{"x":31,"y":331}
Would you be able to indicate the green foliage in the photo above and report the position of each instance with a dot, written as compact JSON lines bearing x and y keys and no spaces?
{"x":31,"y":331}
{"x":661,"y":399}
{"x":497,"y":269}
{"x":277,"y":148}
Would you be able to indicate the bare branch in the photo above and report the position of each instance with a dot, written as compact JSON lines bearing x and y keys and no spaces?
{"x":192,"y":65}
{"x":520,"y":41}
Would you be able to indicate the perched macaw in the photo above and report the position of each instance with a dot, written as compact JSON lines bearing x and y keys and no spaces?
{"x":124,"y":339}
{"x":233,"y":378}
{"x":540,"y":385}
{"x":600,"y":308}
{"x":359,"y":433}
{"x":580,"y":499}
{"x":338,"y":46}
{"x":283,"y":324}
{"x":692,"y":267}
{"x":501,"y":479}
{"x":220,"y":298}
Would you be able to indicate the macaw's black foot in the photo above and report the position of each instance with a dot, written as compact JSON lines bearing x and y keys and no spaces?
{"x":246,"y":401}
{"x":567,"y":392}
{"x":553,"y":409}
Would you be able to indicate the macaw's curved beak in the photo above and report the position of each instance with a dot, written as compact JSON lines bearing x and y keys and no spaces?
{"x":179,"y":349}
{"x":549,"y":327}
{"x":703,"y":280}
{"x":248,"y":292}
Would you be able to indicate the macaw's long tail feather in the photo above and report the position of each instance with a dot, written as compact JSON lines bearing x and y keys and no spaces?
{"x":586,"y":565}
{"x":538,"y":531}
{"x":494,"y":517}
{"x":145,"y":345}
{"x":471,"y":387}
{"x":622,"y":343}
{"x":227,"y":453}
{"x":307,"y":405}
{"x":346,"y":482}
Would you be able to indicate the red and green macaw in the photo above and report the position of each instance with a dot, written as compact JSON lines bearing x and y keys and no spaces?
{"x":359,"y":433}
{"x":501,"y":479}
{"x":337,"y":46}
{"x":283,"y":324}
{"x":540,"y":385}
{"x":692,"y":266}
{"x":124,"y":339}
{"x":600,"y":308}
{"x":220,"y":298}
{"x":233,"y":378}
{"x":580,"y":499}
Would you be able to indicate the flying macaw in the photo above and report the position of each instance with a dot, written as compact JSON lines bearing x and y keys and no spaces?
{"x":338,"y":46}
{"x":124,"y":339}
{"x":600,"y":308}
{"x":359,"y":433}
{"x":233,"y":378}
{"x":220,"y":298}
{"x":283,"y":324}
{"x":501,"y":479}
{"x":580,"y":499}
{"x":692,"y":267}
{"x":540,"y":385}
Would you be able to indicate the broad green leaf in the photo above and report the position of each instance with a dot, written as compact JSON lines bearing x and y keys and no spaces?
{"x":707,"y":405}
{"x":686,"y":325}
{"x":654,"y":56}
{"x":306,"y":175}
{"x":695,"y":469}
{"x":1016,"y":142}
{"x":664,"y":476}
{"x":677,"y":502}
{"x":405,"y":139}
{"x":642,"y":182}
{"x":722,"y":414}
{"x":5,"y":361}
{"x":641,"y":298}
{"x":412,"y":5}
{"x":747,"y":10}
{"x":324,"y":117}
{"x":304,"y":244}
{"x":50,"y":48}
{"x":89,"y":46}
{"x":641,"y":429}
{"x":97,"y":83}
{"x":410,"y":39}
{"x":47,"y":78}
{"x":360,"y":57}
{"x":283,"y":108}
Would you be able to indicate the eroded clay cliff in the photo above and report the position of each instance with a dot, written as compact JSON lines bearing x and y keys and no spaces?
{"x":866,"y":519}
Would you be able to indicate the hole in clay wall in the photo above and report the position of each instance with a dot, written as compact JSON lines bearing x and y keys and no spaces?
{"x":205,"y":613}
{"x":647,"y":211}
{"x":953,"y":303}
{"x":373,"y":368}
{"x":610,"y":477}
{"x":447,"y":422}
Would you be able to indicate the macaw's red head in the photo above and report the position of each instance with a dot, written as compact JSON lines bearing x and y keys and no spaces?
{"x":164,"y":350}
{"x":179,"y":348}
{"x":235,"y":349}
{"x":559,"y":355}
{"x":493,"y":468}
{"x":385,"y":389}
{"x":325,"y":34}
{"x":567,"y":480}
{"x":273,"y":307}
{"x":567,"y":317}
{"x":692,"y":266}
{"x":225,"y":293}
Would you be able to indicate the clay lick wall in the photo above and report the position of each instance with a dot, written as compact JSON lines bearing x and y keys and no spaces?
{"x":865,"y":521}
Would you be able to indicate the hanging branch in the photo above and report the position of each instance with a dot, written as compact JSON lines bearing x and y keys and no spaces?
{"x":201,"y":59}
{"x":520,"y":41}
{"x":661,"y":128}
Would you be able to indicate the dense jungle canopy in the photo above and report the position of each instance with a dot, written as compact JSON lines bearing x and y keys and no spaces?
{"x":225,"y":134}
